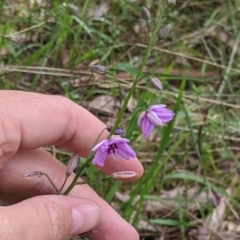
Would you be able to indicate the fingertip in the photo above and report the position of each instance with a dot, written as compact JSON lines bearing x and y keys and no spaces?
{"x":139,"y":170}
{"x":111,"y":165}
{"x":84,"y":218}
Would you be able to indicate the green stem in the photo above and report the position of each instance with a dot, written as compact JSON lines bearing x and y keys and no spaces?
{"x":64,"y":183}
{"x":89,"y":159}
{"x":49,"y":179}
{"x":123,"y":94}
{"x":83,"y":182}
{"x":149,"y":30}
{"x":73,"y":183}
{"x":130,"y":93}
{"x":96,"y":141}
{"x":140,"y":70}
{"x":126,"y":100}
{"x":130,"y":116}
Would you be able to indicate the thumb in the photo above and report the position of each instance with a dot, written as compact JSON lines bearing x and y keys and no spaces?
{"x":48,"y":217}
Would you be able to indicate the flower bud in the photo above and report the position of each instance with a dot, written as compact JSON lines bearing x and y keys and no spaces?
{"x":32,"y":175}
{"x":145,"y":14}
{"x":156,"y":83}
{"x":72,"y":164}
{"x":124,"y":174}
{"x":164,"y":32}
{"x":118,"y":131}
{"x":171,"y":2}
{"x":99,"y":69}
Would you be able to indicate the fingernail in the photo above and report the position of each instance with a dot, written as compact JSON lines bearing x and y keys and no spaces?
{"x":84,"y":218}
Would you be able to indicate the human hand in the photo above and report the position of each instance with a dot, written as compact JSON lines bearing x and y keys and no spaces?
{"x":29,"y":121}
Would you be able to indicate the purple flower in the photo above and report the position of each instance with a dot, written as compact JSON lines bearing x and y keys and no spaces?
{"x":156,"y":115}
{"x":117,"y":147}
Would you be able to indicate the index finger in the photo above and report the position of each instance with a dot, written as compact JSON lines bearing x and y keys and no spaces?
{"x":31,"y":120}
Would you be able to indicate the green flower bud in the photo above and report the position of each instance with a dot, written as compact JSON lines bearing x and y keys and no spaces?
{"x":145,"y":14}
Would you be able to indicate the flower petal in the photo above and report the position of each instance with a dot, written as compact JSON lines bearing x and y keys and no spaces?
{"x":146,"y":126}
{"x":125,"y":151}
{"x":116,"y":147}
{"x":156,"y":106}
{"x":97,"y":146}
{"x":142,"y":115}
{"x":100,"y":158}
{"x":164,"y":114}
{"x":152,"y":116}
{"x":117,"y":140}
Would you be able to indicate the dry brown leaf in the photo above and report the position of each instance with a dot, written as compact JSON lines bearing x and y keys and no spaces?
{"x":132,"y":104}
{"x":105,"y":104}
{"x":101,"y":11}
{"x":214,"y":221}
{"x":167,"y":200}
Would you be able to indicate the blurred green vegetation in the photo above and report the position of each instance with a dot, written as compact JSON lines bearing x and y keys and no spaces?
{"x":47,"y":46}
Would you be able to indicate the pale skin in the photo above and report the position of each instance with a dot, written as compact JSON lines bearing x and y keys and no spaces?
{"x":28,"y":122}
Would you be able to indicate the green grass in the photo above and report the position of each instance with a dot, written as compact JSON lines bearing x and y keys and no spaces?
{"x":47,"y":47}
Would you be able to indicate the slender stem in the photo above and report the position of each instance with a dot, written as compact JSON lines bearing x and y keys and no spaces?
{"x":89,"y":159}
{"x":140,"y":70}
{"x":126,"y":100}
{"x":96,"y":141}
{"x":123,"y":94}
{"x":83,"y":182}
{"x":130,"y":116}
{"x":49,"y":179}
{"x":130,"y":93}
{"x":73,"y":183}
{"x":149,"y":30}
{"x":64,"y":183}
